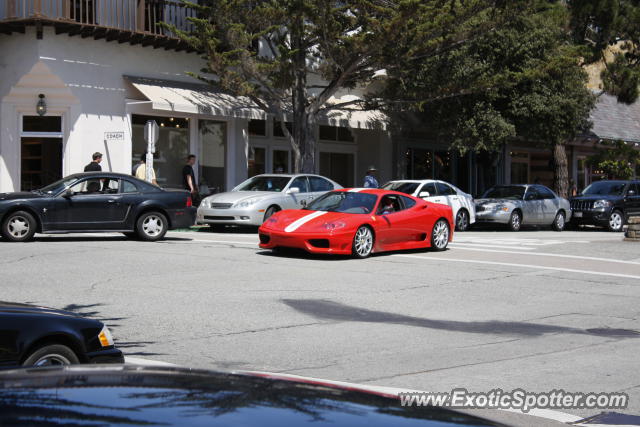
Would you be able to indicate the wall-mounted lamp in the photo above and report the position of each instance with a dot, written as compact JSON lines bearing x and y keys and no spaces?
{"x":41,"y":106}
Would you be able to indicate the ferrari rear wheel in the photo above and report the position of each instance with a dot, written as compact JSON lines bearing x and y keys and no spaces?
{"x":440,"y":235}
{"x":362,"y":242}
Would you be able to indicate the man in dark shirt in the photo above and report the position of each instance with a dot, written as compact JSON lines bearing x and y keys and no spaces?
{"x":94,"y":166}
{"x":189,"y":177}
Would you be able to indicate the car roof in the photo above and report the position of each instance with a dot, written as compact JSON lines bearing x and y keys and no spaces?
{"x":374,"y":191}
{"x":105,"y":174}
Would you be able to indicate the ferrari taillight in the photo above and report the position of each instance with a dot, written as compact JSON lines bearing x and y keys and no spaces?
{"x":189,"y":202}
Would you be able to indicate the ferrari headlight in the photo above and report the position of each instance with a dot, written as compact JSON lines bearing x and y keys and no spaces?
{"x":335,"y":225}
{"x":106,"y":340}
{"x":601,"y":204}
{"x":245,"y":203}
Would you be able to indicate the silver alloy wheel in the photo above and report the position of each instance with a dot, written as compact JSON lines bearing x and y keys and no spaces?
{"x":152,"y":225}
{"x":515,"y":221}
{"x":615,"y":221}
{"x":18,"y":226}
{"x":52,"y":360}
{"x":462,"y":220}
{"x":363,"y":241}
{"x":560,"y":221}
{"x":440,"y":234}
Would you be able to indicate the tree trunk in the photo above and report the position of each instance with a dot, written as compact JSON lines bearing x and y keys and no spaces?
{"x":561,"y":170}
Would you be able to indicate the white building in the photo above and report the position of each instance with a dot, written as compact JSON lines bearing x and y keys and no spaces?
{"x":105,"y":68}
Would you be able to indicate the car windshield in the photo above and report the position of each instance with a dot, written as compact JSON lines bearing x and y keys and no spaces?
{"x":512,"y":192}
{"x":57,"y":186}
{"x":345,"y":202}
{"x":402,"y":187}
{"x":604,"y":188}
{"x":264,"y":183}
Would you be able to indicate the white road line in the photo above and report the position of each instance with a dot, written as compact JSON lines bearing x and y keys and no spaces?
{"x":523,"y":248}
{"x":547,"y":254}
{"x":532,"y":266}
{"x":254,"y":243}
{"x":145,"y":362}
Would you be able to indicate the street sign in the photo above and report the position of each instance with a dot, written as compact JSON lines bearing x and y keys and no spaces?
{"x":114,"y":136}
{"x":151,"y":134}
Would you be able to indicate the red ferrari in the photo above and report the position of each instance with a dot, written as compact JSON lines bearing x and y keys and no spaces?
{"x":359,"y":222}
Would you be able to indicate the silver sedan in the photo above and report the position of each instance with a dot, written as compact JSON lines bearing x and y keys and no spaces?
{"x":517,"y":205}
{"x":259,"y":197}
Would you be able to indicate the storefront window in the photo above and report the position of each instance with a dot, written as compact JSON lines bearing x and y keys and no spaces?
{"x":338,"y":166}
{"x":519,"y":167}
{"x":257,"y":161}
{"x":419,"y":163}
{"x":172,"y":147}
{"x":281,"y":161}
{"x":442,"y":165}
{"x":213,"y":142}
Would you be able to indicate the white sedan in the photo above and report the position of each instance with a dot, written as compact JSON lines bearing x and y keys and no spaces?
{"x":259,"y":197}
{"x":431,"y":190}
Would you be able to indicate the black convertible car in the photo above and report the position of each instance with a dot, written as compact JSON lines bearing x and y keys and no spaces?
{"x":130,"y":395}
{"x":40,"y":336}
{"x":95,"y":202}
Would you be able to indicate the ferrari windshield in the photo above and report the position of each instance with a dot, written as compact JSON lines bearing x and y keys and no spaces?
{"x":402,"y":187}
{"x":344,"y":201}
{"x":264,"y":183}
{"x":605,"y":188}
{"x":511,"y":192}
{"x":57,"y":186}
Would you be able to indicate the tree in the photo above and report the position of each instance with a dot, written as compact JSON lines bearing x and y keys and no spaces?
{"x":289,"y":57}
{"x":615,"y":159}
{"x":521,"y":81}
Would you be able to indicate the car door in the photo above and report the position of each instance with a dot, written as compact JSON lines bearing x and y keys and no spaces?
{"x":550,"y":204}
{"x":300,"y":198}
{"x":632,"y":199}
{"x":429,"y":193}
{"x":396,"y":225}
{"x":449,"y":196}
{"x":532,"y":207}
{"x":90,"y":204}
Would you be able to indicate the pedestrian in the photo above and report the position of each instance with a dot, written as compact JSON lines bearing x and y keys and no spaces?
{"x":135,"y":167}
{"x":573,"y":188}
{"x":94,"y":166}
{"x":189,"y":178}
{"x":141,"y":171}
{"x":370,"y":180}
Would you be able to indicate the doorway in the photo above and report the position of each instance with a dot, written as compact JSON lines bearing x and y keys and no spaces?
{"x":41,"y":162}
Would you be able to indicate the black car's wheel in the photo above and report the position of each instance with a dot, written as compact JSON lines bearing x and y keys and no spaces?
{"x":440,"y":235}
{"x":269,"y":213}
{"x":559,"y":222}
{"x":151,"y":226}
{"x":362,"y":242}
{"x":616,"y":221}
{"x":515,"y":221}
{"x":52,"y":355}
{"x":462,"y":220}
{"x":19,"y":226}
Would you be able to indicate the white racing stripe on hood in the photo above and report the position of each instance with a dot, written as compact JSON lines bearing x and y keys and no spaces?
{"x":301,"y":221}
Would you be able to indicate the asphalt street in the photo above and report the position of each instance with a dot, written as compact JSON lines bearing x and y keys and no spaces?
{"x":537,"y":310}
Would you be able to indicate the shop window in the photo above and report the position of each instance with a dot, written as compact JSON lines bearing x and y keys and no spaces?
{"x":257,"y":161}
{"x":442,"y":165}
{"x":257,"y":128}
{"x":213,"y":144}
{"x":41,"y":124}
{"x":281,"y":161}
{"x":335,"y":133}
{"x":172,"y":147}
{"x":277,"y":128}
{"x":419,"y":163}
{"x":519,"y":167}
{"x":338,"y":166}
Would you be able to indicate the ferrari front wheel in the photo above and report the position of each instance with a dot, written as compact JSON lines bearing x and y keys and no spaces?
{"x":362,"y":242}
{"x":440,"y":235}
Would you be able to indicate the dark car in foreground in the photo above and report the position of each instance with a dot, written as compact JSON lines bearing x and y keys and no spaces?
{"x":41,"y":336}
{"x":129,"y":395}
{"x":95,"y":202}
{"x":606,"y":204}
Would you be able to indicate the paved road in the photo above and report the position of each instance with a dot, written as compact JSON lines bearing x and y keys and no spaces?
{"x":536,"y":310}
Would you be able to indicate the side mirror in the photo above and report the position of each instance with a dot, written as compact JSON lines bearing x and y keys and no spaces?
{"x":631,"y":193}
{"x":424,"y":194}
{"x":293,"y":190}
{"x":68,"y":193}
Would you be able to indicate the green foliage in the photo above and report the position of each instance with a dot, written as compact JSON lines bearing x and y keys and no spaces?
{"x":615,"y":160}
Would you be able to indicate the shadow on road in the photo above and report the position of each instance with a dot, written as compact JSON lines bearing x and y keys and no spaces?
{"x":330,"y":310}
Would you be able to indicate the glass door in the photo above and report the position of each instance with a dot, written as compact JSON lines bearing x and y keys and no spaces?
{"x":213,"y":143}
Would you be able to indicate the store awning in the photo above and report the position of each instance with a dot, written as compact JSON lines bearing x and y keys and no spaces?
{"x":193,"y":98}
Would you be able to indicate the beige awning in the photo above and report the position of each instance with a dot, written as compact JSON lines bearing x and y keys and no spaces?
{"x":193,"y":98}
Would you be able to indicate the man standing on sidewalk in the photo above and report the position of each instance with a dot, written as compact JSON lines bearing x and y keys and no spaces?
{"x":94,"y":166}
{"x":189,"y":178}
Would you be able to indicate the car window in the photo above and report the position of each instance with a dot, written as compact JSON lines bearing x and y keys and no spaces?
{"x":429,"y":188}
{"x":634,"y":187}
{"x":545,"y":193}
{"x":401,"y":187}
{"x":301,"y":183}
{"x":320,"y":184}
{"x":532,"y":194}
{"x":128,"y":187}
{"x":95,"y":186}
{"x":605,"y":188}
{"x":512,"y":192}
{"x":408,"y":202}
{"x":345,"y":202}
{"x":264,"y":183}
{"x":389,"y":203}
{"x":445,"y":189}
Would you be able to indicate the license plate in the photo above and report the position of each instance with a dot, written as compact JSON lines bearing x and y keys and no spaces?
{"x":577,"y":214}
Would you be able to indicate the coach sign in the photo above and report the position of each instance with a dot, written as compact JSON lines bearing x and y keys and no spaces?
{"x":114,"y":136}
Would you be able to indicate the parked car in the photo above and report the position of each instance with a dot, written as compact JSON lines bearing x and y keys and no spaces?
{"x":359,"y":222}
{"x":518,"y":205}
{"x":40,"y":336}
{"x":95,"y":202}
{"x":256,"y":199}
{"x":606,"y":204}
{"x":464,"y":209}
{"x":135,"y":395}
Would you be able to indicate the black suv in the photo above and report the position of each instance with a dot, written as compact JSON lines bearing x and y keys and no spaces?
{"x":607,"y":204}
